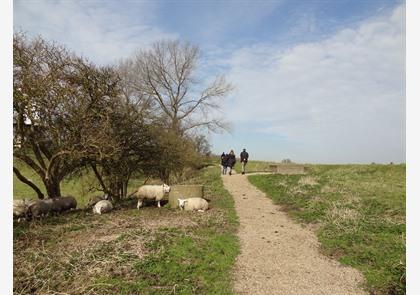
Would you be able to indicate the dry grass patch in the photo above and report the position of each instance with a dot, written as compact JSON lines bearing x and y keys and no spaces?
{"x":308,"y":180}
{"x":54,"y":257}
{"x":339,"y":215}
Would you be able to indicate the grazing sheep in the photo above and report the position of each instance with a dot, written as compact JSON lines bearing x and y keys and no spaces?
{"x":38,"y":208}
{"x":191,"y":204}
{"x":151,"y":192}
{"x":92,"y":201}
{"x":102,"y":206}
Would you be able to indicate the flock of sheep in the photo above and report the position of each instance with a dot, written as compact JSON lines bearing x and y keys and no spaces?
{"x":32,"y":209}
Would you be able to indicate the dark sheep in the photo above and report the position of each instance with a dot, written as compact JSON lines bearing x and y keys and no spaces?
{"x":66,"y":203}
{"x":38,"y":209}
{"x":61,"y":204}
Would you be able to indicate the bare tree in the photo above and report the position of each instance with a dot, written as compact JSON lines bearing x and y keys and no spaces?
{"x":136,"y":146}
{"x":61,"y":108}
{"x":165,"y":75}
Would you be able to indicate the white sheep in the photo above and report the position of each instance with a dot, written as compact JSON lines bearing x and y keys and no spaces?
{"x":20,"y":207}
{"x":103,"y":206}
{"x":191,"y":204}
{"x":151,"y":192}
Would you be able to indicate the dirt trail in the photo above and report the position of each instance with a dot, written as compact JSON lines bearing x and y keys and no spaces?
{"x":279,"y":256}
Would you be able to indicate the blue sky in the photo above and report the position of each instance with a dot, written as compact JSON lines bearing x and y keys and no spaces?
{"x":315,"y":81}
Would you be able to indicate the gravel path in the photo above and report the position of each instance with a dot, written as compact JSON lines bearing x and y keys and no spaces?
{"x":279,"y":256}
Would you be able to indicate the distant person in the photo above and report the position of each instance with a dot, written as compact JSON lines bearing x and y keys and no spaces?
{"x":223,"y":162}
{"x":231,"y":161}
{"x":244,"y":160}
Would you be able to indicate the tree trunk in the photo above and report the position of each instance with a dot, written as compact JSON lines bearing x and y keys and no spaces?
{"x":28,"y":182}
{"x":53,"y":188}
{"x":164,"y":176}
{"x":114,"y":188}
{"x":125,"y":188}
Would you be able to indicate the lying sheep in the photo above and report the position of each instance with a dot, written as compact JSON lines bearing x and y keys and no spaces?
{"x":191,"y":204}
{"x":94,"y":200}
{"x":20,"y":207}
{"x":102,"y":206}
{"x":151,"y":192}
{"x":38,"y":208}
{"x":67,"y":203}
{"x":61,"y":204}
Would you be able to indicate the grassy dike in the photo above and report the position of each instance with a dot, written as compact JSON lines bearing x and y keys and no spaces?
{"x":358,"y":212}
{"x":130,"y":251}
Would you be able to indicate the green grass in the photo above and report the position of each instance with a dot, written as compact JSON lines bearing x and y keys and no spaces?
{"x":147,"y":251}
{"x":254,"y":166}
{"x":196,"y":261}
{"x":359,"y":211}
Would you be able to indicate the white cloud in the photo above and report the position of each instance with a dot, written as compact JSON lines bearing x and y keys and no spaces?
{"x":345,"y":93}
{"x":102,"y":31}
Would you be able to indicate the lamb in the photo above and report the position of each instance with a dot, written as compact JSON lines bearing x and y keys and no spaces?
{"x":191,"y":204}
{"x":94,"y":200}
{"x":151,"y":192}
{"x":103,"y":206}
{"x":38,"y":208}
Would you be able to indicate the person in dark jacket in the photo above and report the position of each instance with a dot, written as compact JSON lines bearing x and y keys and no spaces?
{"x":244,"y":160}
{"x":231,"y":161}
{"x":223,"y":162}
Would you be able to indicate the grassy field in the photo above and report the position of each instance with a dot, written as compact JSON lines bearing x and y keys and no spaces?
{"x":130,"y":251}
{"x":254,"y":166}
{"x":358,"y":213}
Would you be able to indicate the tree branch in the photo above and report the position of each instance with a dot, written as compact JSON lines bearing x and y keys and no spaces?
{"x":28,"y":182}
{"x":27,"y":160}
{"x":99,"y":177}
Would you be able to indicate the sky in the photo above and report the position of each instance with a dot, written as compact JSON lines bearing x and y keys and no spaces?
{"x":315,"y":81}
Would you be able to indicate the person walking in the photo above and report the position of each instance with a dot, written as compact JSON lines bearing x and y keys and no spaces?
{"x":231,"y":161}
{"x":244,"y":159}
{"x":223,"y":162}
